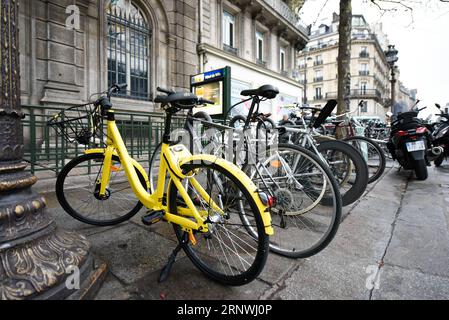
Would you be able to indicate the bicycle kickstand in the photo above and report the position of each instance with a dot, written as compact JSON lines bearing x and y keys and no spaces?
{"x":165,"y":273}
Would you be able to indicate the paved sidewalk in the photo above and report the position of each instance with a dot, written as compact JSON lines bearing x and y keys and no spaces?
{"x":396,"y":235}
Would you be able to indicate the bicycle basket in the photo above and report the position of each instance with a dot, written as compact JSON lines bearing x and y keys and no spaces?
{"x":78,"y":124}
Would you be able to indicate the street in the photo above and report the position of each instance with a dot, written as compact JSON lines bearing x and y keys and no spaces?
{"x":392,"y":244}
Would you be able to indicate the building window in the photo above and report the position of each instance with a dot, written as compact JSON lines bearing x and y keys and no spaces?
{"x":363,"y":86}
{"x":318,"y":95}
{"x":364,"y":69}
{"x":318,"y":60}
{"x":260,"y":55}
{"x":302,"y":78}
{"x":364,"y":52}
{"x":128,"y":49}
{"x":282,"y":59}
{"x":318,"y":76}
{"x":228,"y":29}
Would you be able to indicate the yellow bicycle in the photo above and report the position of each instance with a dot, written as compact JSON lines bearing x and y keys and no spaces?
{"x":210,"y":202}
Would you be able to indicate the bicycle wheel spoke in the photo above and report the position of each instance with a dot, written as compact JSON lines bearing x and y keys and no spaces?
{"x":79,"y":184}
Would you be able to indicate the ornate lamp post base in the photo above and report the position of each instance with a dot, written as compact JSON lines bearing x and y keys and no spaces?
{"x":36,"y":258}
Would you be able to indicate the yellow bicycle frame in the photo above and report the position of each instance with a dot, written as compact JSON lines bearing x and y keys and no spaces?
{"x":172,"y":158}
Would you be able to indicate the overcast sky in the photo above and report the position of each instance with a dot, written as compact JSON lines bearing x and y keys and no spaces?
{"x":423,"y":43}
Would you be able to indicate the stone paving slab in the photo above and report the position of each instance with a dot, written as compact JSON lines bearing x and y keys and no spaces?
{"x":400,"y":225}
{"x":186,"y":282}
{"x":112,"y":289}
{"x":131,"y":251}
{"x":399,"y":284}
{"x":421,"y":239}
{"x":423,"y":248}
{"x":328,"y":275}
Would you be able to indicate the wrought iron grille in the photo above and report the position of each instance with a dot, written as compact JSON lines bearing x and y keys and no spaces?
{"x":129,"y":38}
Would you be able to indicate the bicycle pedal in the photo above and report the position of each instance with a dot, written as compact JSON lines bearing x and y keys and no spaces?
{"x":153,"y":217}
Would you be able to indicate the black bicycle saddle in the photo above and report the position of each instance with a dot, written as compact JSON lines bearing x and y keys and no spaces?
{"x":267,"y":91}
{"x":180,"y":99}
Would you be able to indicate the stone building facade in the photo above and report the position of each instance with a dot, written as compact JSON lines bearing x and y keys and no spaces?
{"x":64,"y":60}
{"x":150,"y":43}
{"x":259,"y":41}
{"x":369,"y":67}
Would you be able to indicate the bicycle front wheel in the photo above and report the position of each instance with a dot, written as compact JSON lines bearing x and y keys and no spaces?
{"x":77,"y":190}
{"x":227,"y":253}
{"x":308,"y":203}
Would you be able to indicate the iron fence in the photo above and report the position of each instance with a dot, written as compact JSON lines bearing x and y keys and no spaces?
{"x":45,"y":150}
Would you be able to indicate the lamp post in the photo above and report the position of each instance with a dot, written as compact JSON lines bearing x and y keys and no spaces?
{"x":392,"y":58}
{"x":36,"y":258}
{"x":306,"y":58}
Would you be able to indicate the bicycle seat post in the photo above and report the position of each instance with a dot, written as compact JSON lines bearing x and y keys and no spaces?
{"x":255,"y":101}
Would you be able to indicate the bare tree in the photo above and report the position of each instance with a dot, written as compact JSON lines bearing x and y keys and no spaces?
{"x":344,"y":56}
{"x":295,"y":5}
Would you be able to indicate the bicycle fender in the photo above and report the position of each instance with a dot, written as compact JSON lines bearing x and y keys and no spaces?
{"x":241,"y":176}
{"x":136,"y":164}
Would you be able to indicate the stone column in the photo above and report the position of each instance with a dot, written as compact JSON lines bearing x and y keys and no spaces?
{"x":35,"y":256}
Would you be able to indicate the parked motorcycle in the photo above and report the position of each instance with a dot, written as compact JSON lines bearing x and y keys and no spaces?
{"x":410,"y":144}
{"x":440,"y":137}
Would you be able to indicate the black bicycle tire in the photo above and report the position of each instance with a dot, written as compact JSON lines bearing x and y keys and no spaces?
{"x":361,"y":182}
{"x":203,"y":115}
{"x":235,"y":119}
{"x":383,"y":161}
{"x":66,"y":206}
{"x":261,"y":126}
{"x":313,"y":250}
{"x":263,"y":240}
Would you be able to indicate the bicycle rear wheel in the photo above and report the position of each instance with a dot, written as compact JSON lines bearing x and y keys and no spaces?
{"x":348,"y":167}
{"x":373,"y":155}
{"x":308,"y":203}
{"x":77,"y":190}
{"x":227,"y":253}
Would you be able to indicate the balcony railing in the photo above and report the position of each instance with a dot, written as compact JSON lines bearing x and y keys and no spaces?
{"x":364,"y":73}
{"x":320,"y":97}
{"x":284,"y":10}
{"x":230,"y":49}
{"x":302,"y":66}
{"x":303,"y":81}
{"x":318,"y":62}
{"x":362,"y":93}
{"x":366,"y":93}
{"x":318,"y":79}
{"x":364,"y":54}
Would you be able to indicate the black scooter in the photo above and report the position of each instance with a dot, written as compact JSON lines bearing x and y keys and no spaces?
{"x":440,"y":137}
{"x":409,"y":143}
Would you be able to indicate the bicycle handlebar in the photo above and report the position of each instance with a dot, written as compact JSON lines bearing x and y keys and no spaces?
{"x":116,"y":88}
{"x":205,"y":101}
{"x":166,"y":91}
